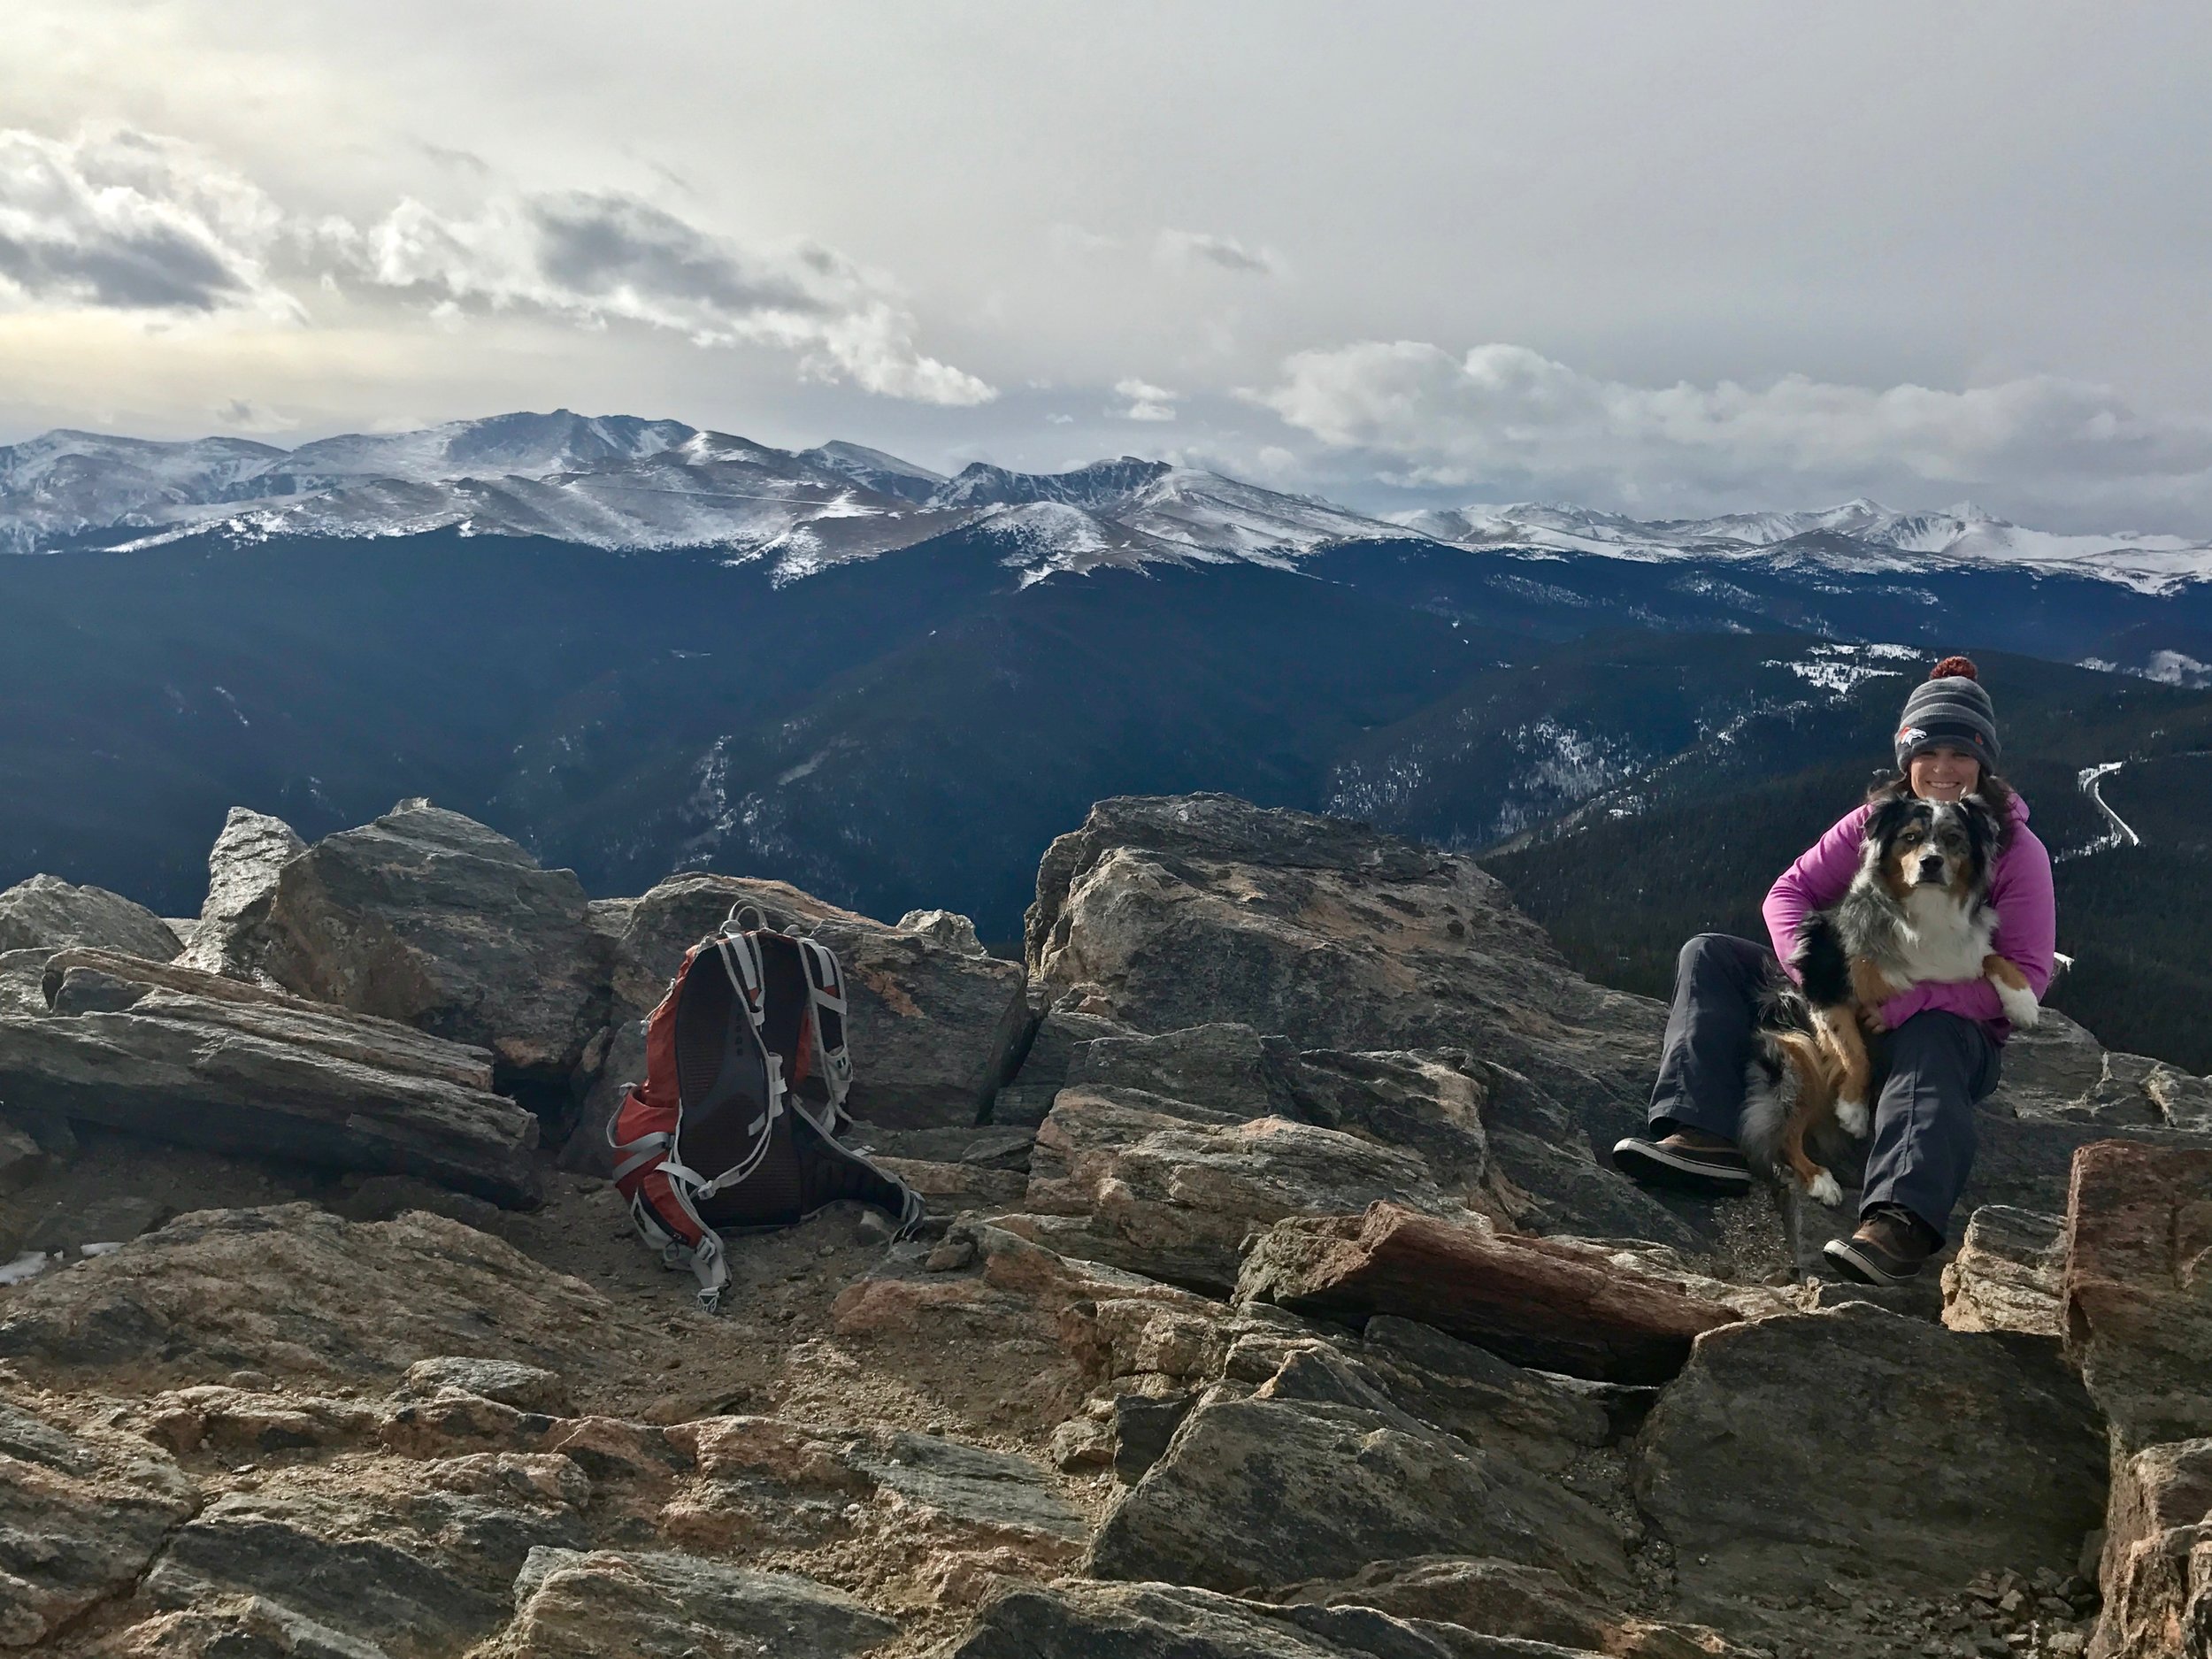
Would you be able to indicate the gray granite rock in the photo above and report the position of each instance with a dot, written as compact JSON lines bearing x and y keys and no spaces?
{"x":47,"y":913}
{"x":243,"y":868}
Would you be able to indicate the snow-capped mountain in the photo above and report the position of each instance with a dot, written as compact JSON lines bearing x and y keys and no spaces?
{"x":619,"y":482}
{"x":1859,"y":537}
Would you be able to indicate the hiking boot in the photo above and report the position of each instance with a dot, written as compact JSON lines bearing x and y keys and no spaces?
{"x":1686,"y":1162}
{"x":1889,"y":1248}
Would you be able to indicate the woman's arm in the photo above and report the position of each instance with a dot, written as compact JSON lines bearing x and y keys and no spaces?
{"x":1817,"y":881}
{"x":2027,"y":934}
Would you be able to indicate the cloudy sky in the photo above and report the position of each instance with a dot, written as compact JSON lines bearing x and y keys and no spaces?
{"x":1662,"y":258}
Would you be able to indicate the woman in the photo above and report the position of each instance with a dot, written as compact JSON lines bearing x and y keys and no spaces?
{"x":1944,"y":1037}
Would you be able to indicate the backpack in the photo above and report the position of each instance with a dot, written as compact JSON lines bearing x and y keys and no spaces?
{"x":736,"y":1124}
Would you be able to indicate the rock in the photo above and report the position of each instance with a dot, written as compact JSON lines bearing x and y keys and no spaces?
{"x":1470,"y":1392}
{"x":296,"y":1292}
{"x":1854,"y":1441}
{"x":2007,"y":1274}
{"x":1503,"y":1598}
{"x":1429,"y":1103}
{"x":574,"y":1604}
{"x":243,"y":868}
{"x":2138,"y":1289}
{"x":46,"y":913}
{"x":932,"y":1030}
{"x":1044,"y":1069}
{"x":1082,"y":1444}
{"x":1170,"y":912}
{"x":205,"y":1061}
{"x":994,"y":1490}
{"x":1274,"y":1490}
{"x":433,"y":920}
{"x":1223,"y":1068}
{"x":417,"y":1559}
{"x":949,"y":929}
{"x":1536,"y":1301}
{"x":1144,"y":1426}
{"x":1161,"y":1621}
{"x":525,"y":1387}
{"x":1175,"y":1199}
{"x":81,"y":1514}
{"x":114,"y":1218}
{"x":2058,"y":1072}
{"x":2157,"y":1568}
{"x":22,"y":1160}
{"x":947,"y":1189}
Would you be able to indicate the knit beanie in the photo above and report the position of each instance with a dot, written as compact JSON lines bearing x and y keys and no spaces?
{"x":1950,"y":709}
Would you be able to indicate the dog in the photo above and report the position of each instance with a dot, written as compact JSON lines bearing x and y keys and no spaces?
{"x":1917,"y":912}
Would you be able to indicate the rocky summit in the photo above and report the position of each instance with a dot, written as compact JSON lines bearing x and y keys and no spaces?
{"x":1273,"y":1300}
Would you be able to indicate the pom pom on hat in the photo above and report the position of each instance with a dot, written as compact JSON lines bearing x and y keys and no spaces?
{"x":1955,"y":668}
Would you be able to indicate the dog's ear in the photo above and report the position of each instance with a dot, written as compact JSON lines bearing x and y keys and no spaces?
{"x":1983,"y":830}
{"x":1887,"y":818}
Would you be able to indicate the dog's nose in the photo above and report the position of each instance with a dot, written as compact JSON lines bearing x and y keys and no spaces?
{"x":1932,"y":869}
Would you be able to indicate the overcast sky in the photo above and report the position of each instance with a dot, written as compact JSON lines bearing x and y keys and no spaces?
{"x":1666,"y":258}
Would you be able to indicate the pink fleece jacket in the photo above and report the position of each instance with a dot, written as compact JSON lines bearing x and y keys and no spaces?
{"x":2019,"y":887}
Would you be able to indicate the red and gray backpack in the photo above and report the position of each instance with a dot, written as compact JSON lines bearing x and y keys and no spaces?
{"x":736,"y":1125}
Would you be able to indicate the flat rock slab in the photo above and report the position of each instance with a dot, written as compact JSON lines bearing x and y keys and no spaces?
{"x":1272,"y":1490}
{"x":2137,"y":1293}
{"x":293,"y":1291}
{"x":1536,"y":1301}
{"x":80,"y":1518}
{"x":576,"y":1604}
{"x":1161,"y":1621}
{"x":431,"y":918}
{"x":1176,"y":1199}
{"x":985,"y":1488}
{"x":2007,"y":1275}
{"x":47,"y":913}
{"x":1858,"y":1444}
{"x":182,"y":1056}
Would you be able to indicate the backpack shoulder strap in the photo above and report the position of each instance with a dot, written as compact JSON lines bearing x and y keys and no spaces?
{"x":741,"y":960}
{"x":825,"y":1009}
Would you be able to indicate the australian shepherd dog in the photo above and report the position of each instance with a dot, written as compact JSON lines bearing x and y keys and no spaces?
{"x":1917,"y":910}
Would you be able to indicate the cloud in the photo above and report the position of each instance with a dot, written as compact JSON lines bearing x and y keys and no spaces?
{"x":242,"y":414}
{"x":1194,"y":248}
{"x":123,"y":220}
{"x":592,"y":257}
{"x":1505,"y":417}
{"x":1146,"y":402}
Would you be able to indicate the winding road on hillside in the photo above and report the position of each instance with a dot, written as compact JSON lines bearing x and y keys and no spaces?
{"x":2091,"y":780}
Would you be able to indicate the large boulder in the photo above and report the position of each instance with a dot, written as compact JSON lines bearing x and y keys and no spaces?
{"x":294,"y":1292}
{"x":1161,"y":1194}
{"x":934,"y":1027}
{"x":431,"y":918}
{"x":2138,"y":1294}
{"x":1544,"y":1302}
{"x":2157,"y":1563}
{"x":177,"y":1054}
{"x":243,"y":868}
{"x":1318,"y":1473}
{"x":46,"y":913}
{"x":1857,"y":1443}
{"x":1169,"y":912}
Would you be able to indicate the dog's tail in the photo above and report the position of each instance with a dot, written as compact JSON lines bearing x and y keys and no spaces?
{"x":1782,"y":1054}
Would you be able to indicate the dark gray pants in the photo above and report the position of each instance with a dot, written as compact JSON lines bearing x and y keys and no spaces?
{"x":1940,"y":1064}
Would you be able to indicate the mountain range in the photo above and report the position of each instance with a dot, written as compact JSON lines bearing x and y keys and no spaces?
{"x":624,"y":483}
{"x":637,"y":647}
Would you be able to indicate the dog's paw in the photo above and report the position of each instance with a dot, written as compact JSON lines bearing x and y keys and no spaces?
{"x":1821,"y":1189}
{"x":1853,"y":1119}
{"x":2020,"y":1007}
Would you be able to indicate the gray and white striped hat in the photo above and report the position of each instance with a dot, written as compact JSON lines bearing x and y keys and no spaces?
{"x":1948,"y":709}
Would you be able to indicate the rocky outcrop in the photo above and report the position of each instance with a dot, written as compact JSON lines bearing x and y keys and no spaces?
{"x":2157,"y":1564}
{"x":1535,"y":1301}
{"x":1145,"y":1186}
{"x":1856,"y":1441}
{"x":1166,"y":913}
{"x":46,"y":913}
{"x":2007,"y":1274}
{"x":933,"y":1026}
{"x":181,"y":1056}
{"x":242,"y":869}
{"x":433,"y":920}
{"x":2138,"y":1292}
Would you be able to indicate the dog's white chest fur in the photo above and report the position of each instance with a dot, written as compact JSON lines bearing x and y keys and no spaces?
{"x":1943,"y":939}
